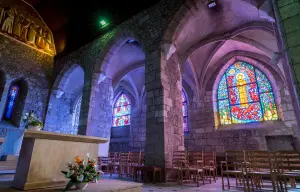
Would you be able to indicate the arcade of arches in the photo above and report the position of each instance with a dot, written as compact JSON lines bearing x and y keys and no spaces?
{"x":194,"y":78}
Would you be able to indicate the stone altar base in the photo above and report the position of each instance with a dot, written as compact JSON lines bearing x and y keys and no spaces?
{"x":102,"y":186}
{"x":44,"y":155}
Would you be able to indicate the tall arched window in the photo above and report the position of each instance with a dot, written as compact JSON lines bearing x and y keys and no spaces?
{"x":185,"y":112}
{"x":245,"y":95}
{"x":76,"y":115}
{"x":121,"y":111}
{"x":11,"y":101}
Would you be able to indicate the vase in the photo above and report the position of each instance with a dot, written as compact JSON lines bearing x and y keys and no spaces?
{"x":81,"y":186}
{"x":34,"y":127}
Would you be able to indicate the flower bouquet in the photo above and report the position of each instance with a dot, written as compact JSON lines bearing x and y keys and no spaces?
{"x":81,"y":173}
{"x":32,"y":122}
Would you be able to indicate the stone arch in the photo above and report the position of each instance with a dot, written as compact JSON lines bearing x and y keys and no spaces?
{"x":67,"y":88}
{"x":271,"y":75}
{"x":19,"y":103}
{"x":62,"y":79}
{"x":113,"y":46}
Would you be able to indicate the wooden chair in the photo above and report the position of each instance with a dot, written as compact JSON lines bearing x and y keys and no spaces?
{"x":259,"y":166}
{"x":175,"y":167}
{"x":287,"y":166}
{"x":210,"y":165}
{"x":114,"y":158}
{"x":104,"y":164}
{"x":195,"y":166}
{"x":135,"y":160}
{"x":233,"y":165}
{"x":124,"y":164}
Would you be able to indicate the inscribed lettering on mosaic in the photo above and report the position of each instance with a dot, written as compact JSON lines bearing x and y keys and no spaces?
{"x":13,"y":93}
{"x":121,"y":111}
{"x":185,"y":113}
{"x":245,"y":95}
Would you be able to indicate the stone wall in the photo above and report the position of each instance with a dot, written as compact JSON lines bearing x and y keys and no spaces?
{"x":18,"y":61}
{"x":204,"y":136}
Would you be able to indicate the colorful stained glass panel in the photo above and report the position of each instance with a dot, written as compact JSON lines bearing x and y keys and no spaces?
{"x":11,"y":101}
{"x":250,"y":96}
{"x":240,"y":74}
{"x":224,"y":112}
{"x":222,"y":90}
{"x":246,"y":113}
{"x":123,"y":110}
{"x":269,"y":107}
{"x":185,"y":124}
{"x":263,"y":83}
{"x":185,"y":112}
{"x":184,"y":109}
{"x":122,"y":101}
{"x":121,"y":121}
{"x":243,"y":94}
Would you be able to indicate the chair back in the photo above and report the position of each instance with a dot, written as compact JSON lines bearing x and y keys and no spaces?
{"x":234,"y":160}
{"x":124,"y":158}
{"x":287,"y":161}
{"x":195,"y":158}
{"x":135,"y":158}
{"x":179,"y":158}
{"x":259,"y":161}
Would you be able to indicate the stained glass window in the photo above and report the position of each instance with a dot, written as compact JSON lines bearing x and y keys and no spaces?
{"x":121,"y":111}
{"x":185,"y":112}
{"x":245,"y":95}
{"x":13,"y":94}
{"x":76,"y":115}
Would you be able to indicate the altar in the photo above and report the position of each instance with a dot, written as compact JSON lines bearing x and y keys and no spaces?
{"x":44,"y":155}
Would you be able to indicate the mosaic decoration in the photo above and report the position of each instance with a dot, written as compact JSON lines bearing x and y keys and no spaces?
{"x":13,"y":93}
{"x":121,"y":111}
{"x":245,"y":95}
{"x":20,"y":21}
{"x":185,"y":113}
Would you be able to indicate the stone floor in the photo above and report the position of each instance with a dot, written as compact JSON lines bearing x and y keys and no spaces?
{"x":159,"y":187}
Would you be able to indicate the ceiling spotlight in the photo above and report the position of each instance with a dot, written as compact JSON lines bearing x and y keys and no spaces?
{"x":212,"y":3}
{"x":103,"y":23}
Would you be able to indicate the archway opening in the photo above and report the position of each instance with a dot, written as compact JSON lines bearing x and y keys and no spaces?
{"x":65,"y":101}
{"x":15,"y":102}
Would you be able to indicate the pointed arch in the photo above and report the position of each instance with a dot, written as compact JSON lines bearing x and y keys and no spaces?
{"x":121,"y":111}
{"x":15,"y":102}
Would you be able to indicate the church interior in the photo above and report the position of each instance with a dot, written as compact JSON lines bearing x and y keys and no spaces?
{"x":172,"y":89}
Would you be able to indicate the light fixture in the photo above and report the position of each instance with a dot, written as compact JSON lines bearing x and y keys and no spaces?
{"x":103,"y":23}
{"x":211,"y":3}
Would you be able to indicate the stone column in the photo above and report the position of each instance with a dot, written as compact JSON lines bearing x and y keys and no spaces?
{"x":96,"y":106}
{"x":164,"y":123}
{"x":287,"y":14}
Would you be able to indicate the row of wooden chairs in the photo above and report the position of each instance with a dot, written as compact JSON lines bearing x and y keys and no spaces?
{"x":121,"y":163}
{"x":253,"y":168}
{"x":192,"y":166}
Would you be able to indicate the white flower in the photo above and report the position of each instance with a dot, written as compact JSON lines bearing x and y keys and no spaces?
{"x":70,"y":173}
{"x":27,"y":114}
{"x":80,"y":178}
{"x":89,"y":155}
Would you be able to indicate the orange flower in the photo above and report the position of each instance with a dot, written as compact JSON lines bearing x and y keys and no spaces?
{"x":93,"y":164}
{"x":77,"y":159}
